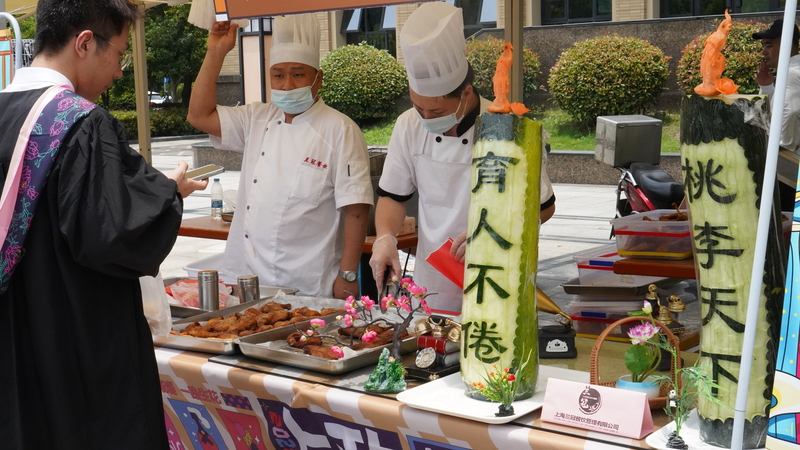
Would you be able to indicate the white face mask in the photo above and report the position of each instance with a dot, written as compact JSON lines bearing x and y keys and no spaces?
{"x":294,"y":101}
{"x":440,"y":125}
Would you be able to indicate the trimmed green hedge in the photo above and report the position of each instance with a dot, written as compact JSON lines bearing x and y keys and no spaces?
{"x":608,"y":75}
{"x":163,"y":122}
{"x":362,"y":82}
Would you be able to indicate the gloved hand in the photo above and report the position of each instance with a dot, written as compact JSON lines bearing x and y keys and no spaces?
{"x":384,"y":254}
{"x":459,"y":247}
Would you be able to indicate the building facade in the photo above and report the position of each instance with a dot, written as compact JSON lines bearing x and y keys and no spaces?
{"x":550,"y":27}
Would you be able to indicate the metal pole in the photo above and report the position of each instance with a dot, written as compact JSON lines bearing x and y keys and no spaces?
{"x":140,"y":84}
{"x":513,"y":34}
{"x":773,"y":146}
{"x":17,"y":40}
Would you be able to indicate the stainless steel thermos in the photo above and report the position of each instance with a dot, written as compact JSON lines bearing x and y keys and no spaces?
{"x":248,"y":288}
{"x":208,"y":289}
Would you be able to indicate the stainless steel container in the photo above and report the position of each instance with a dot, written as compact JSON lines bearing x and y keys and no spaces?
{"x":622,"y":140}
{"x":208,"y":289}
{"x":248,"y":288}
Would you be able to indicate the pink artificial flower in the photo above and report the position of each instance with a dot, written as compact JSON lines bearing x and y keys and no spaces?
{"x":368,"y":302}
{"x":309,"y":332}
{"x":337,"y":351}
{"x":394,"y":278}
{"x":413,"y":288}
{"x":348,"y":320}
{"x":405,"y":304}
{"x":642,"y":333}
{"x":369,"y":336}
{"x":302,"y":338}
{"x":387,"y":302}
{"x":317,"y":323}
{"x":405,"y":282}
{"x":425,"y":306}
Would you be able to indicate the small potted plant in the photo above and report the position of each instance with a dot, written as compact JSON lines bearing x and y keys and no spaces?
{"x":685,"y":384}
{"x":500,"y":385}
{"x":685,"y":387}
{"x":643,"y":356}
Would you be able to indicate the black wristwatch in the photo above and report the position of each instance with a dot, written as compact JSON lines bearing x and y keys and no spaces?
{"x":348,"y":275}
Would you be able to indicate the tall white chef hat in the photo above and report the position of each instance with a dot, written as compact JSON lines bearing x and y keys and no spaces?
{"x":433,"y":45}
{"x":295,"y":38}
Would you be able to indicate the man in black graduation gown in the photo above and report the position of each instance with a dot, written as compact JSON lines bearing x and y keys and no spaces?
{"x":77,"y":368}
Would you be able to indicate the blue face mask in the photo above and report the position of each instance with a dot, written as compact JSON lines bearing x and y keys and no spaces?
{"x":440,"y":125}
{"x":294,"y":101}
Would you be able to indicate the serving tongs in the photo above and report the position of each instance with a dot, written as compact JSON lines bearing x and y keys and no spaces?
{"x":387,"y":288}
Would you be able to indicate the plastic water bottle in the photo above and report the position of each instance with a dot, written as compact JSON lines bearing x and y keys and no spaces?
{"x":216,"y":200}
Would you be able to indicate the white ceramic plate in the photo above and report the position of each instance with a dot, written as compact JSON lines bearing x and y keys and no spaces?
{"x":446,"y":396}
{"x":690,"y":433}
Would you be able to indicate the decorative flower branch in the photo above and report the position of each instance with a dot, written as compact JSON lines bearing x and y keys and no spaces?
{"x":359,"y":315}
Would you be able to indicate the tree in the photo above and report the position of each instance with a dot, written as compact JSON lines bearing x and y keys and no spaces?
{"x":27,"y":27}
{"x":175,"y":50}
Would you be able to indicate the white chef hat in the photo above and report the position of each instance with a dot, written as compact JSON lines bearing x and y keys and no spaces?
{"x":295,"y":38}
{"x":433,"y":45}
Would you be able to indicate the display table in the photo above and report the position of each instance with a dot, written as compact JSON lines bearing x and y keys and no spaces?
{"x":240,"y":403}
{"x":669,"y":268}
{"x":206,"y":227}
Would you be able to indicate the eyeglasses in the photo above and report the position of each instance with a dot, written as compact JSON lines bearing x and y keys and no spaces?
{"x":125,"y":59}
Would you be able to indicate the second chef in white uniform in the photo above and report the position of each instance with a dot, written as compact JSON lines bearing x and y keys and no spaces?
{"x":430,"y":151}
{"x":304,"y":192}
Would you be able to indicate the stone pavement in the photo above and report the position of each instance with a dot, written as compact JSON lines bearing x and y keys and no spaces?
{"x":580,"y":223}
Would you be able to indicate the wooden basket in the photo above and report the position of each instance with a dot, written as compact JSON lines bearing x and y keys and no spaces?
{"x":675,"y":363}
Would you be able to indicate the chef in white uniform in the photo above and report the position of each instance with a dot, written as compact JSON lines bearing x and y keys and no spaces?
{"x":430,"y":152}
{"x":304,"y":192}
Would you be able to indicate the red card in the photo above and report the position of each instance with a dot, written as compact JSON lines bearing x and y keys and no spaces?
{"x":441,"y":260}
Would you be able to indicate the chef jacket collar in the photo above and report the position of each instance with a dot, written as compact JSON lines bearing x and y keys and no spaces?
{"x":469,"y":120}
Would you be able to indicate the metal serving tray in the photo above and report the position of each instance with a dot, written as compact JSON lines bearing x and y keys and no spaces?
{"x":573,"y":286}
{"x":224,"y":347}
{"x":290,"y":356}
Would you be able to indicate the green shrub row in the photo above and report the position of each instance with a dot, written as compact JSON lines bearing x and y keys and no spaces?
{"x":605,"y":75}
{"x":608,"y":75}
{"x":163,"y":122}
{"x":362,"y":82}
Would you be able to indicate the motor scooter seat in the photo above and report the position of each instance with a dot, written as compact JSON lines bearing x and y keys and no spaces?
{"x":660,"y":188}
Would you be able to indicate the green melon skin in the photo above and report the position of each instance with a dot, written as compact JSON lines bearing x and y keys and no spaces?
{"x":714,"y":130}
{"x":514,"y":216}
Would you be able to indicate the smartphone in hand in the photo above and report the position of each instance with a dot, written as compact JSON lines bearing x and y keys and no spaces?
{"x":207,"y":171}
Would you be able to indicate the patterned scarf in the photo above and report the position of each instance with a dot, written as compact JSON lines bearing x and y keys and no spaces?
{"x":46,"y":136}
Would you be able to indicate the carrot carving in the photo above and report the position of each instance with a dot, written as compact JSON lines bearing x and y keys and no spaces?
{"x":502,"y":86}
{"x":712,"y":63}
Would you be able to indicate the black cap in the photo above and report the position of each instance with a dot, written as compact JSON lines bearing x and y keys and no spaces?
{"x":775,"y":32}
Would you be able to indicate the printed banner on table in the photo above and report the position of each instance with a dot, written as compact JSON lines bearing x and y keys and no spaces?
{"x":785,"y":409}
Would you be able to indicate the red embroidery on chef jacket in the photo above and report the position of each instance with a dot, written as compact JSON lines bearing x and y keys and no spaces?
{"x":314,"y":163}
